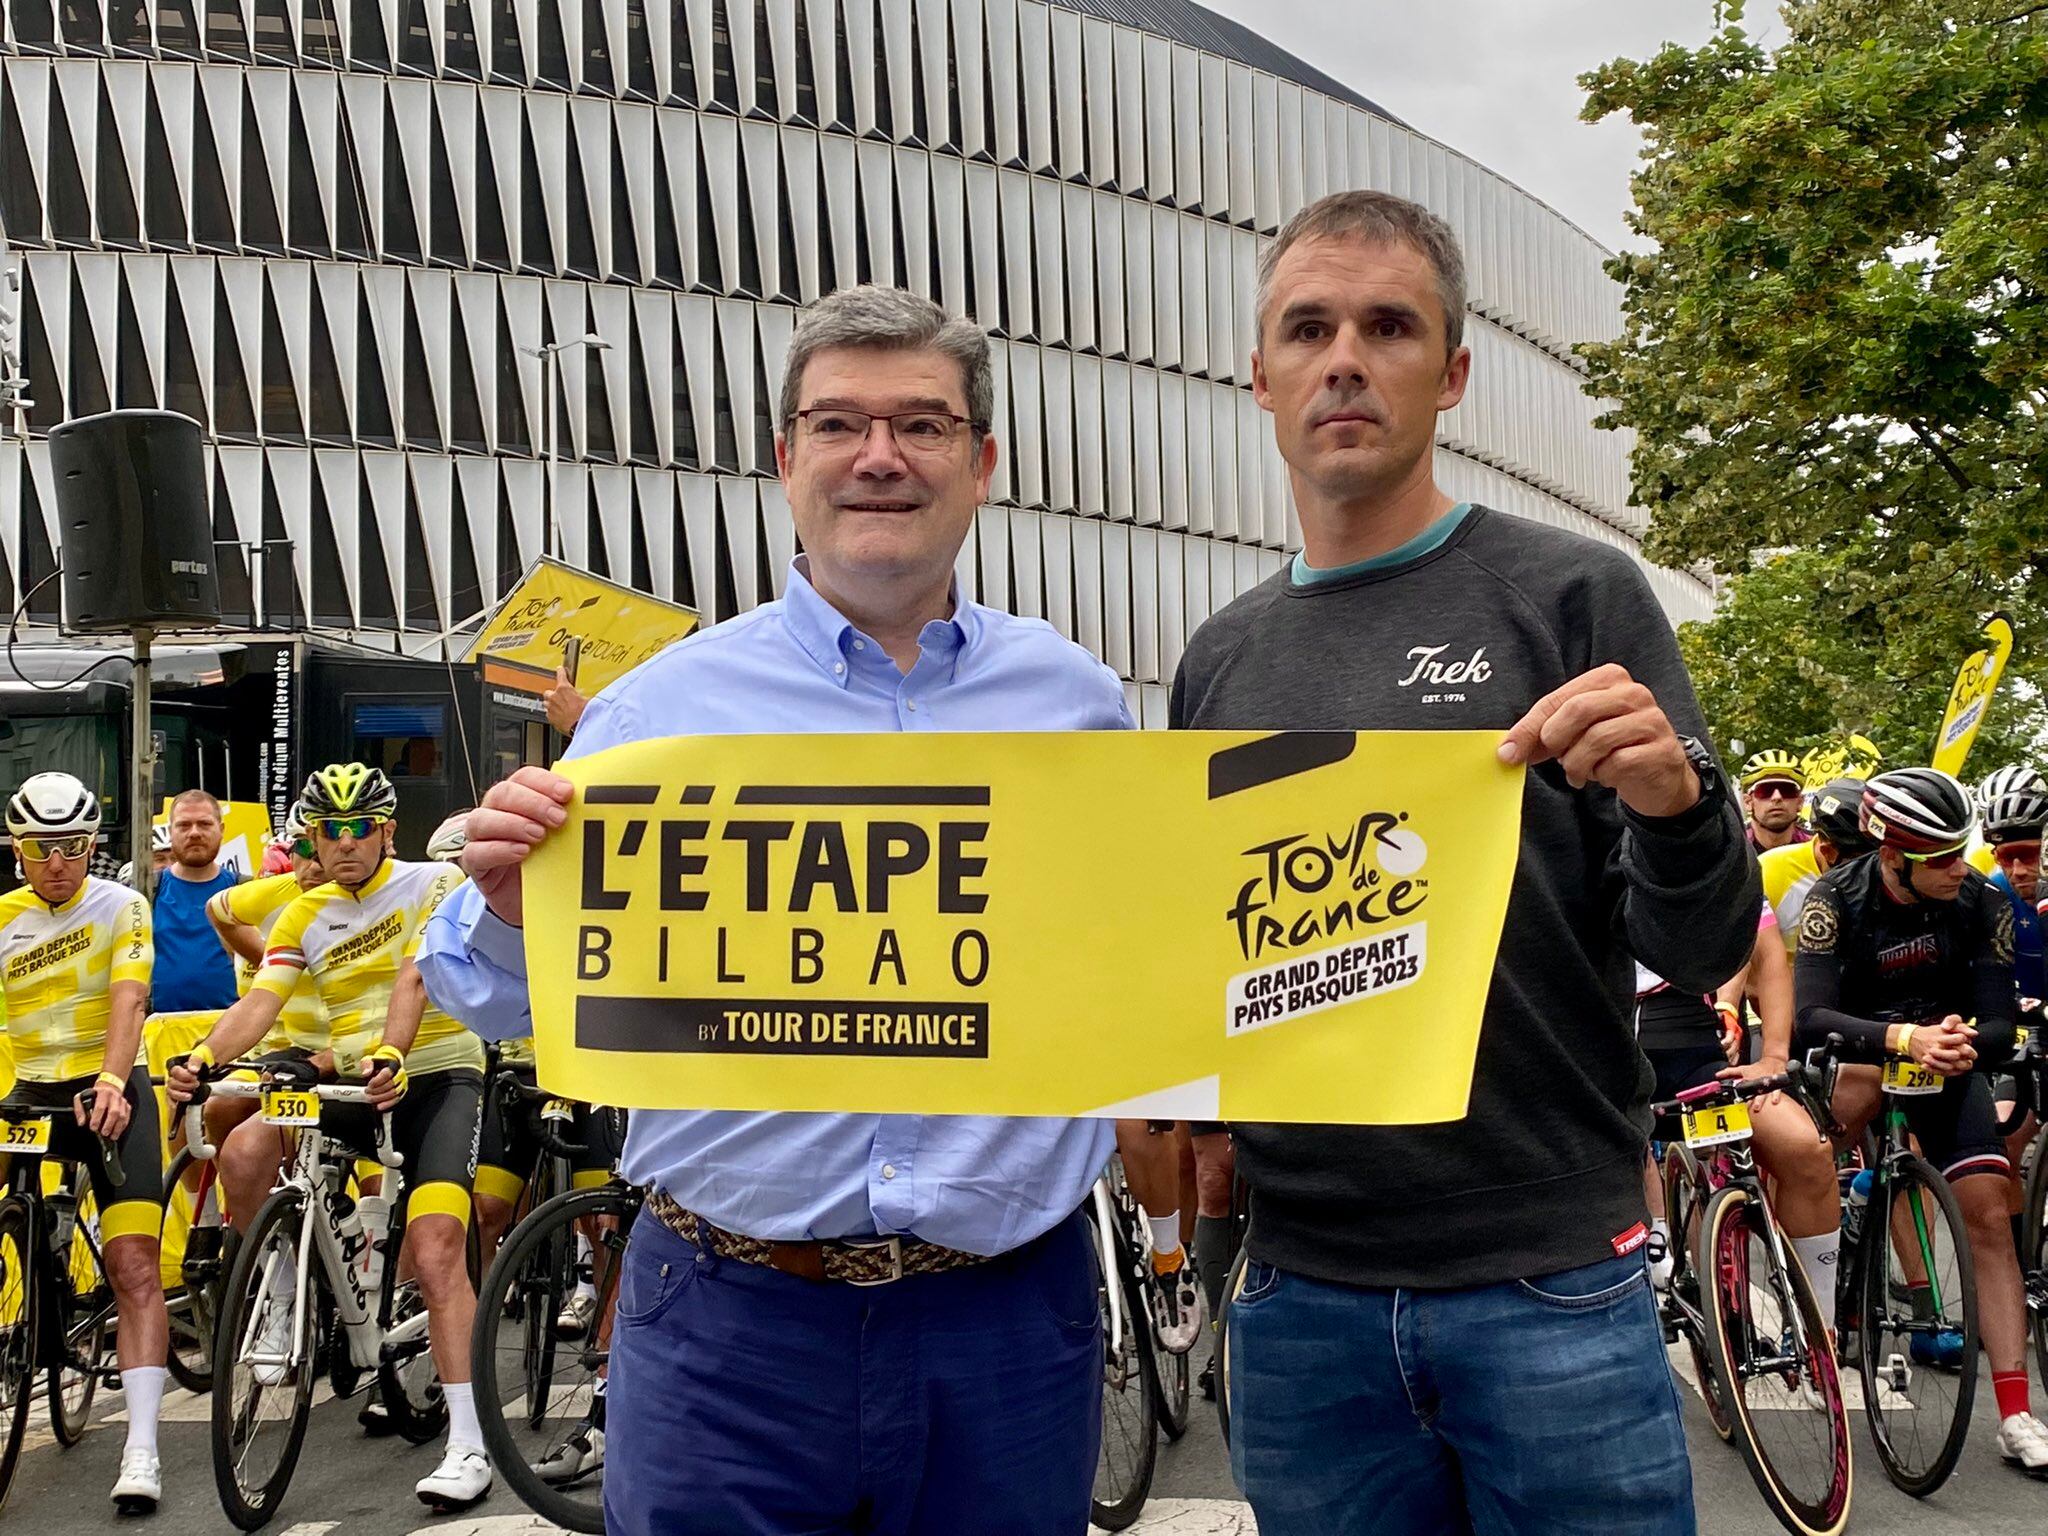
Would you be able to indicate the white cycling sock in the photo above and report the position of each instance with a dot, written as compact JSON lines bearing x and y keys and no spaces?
{"x":463,"y":1428}
{"x":585,"y":1287}
{"x":1817,"y":1256}
{"x":144,"y":1389}
{"x":1165,"y":1232}
{"x":1663,"y":1263}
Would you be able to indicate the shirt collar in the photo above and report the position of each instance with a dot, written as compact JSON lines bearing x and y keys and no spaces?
{"x":826,"y":634}
{"x":371,"y":886}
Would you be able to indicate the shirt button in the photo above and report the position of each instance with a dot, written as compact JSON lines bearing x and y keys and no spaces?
{"x":838,"y":667}
{"x":910,"y":704}
{"x":860,"y":645}
{"x":888,"y":1170}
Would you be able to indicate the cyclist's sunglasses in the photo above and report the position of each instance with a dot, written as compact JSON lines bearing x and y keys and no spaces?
{"x":337,"y":827}
{"x":303,"y":849}
{"x":36,"y":850}
{"x":1776,"y":789}
{"x":1946,"y":860}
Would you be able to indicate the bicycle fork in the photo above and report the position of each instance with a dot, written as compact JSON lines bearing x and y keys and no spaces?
{"x":1105,"y":1218}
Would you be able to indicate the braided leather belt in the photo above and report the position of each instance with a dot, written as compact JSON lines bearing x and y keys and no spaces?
{"x":850,"y":1261}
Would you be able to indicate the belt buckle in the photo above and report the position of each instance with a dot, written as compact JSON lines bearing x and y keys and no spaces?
{"x":895,"y":1247}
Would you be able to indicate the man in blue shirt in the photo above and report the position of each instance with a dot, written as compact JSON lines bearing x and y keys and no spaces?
{"x":193,"y":971}
{"x":964,"y":1396}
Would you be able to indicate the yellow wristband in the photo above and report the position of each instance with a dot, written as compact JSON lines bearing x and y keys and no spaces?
{"x":201,"y":1055}
{"x":113,"y":1079}
{"x":1906,"y":1039}
{"x":1728,"y":1010}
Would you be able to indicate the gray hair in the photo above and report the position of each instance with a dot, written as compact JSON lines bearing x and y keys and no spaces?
{"x":896,"y":320}
{"x":1376,"y":218}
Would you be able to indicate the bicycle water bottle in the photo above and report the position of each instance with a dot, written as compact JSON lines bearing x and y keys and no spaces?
{"x":374,"y":1212}
{"x":348,"y":1225}
{"x":1852,"y":1214}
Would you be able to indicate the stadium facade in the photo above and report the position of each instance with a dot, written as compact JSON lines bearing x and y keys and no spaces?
{"x":335,"y":231}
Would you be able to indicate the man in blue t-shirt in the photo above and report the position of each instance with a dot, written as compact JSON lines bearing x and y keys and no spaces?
{"x":192,"y":970}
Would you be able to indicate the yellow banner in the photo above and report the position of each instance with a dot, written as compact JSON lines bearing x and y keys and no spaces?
{"x":1971,"y":696}
{"x":1200,"y":925}
{"x":618,"y":627}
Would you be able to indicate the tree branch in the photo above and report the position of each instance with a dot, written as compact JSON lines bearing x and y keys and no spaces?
{"x":1940,"y":453}
{"x":2032,"y":10}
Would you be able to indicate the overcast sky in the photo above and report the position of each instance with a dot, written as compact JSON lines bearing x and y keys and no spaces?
{"x":1498,"y":79}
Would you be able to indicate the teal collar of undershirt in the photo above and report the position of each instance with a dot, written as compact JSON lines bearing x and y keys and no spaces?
{"x":1432,"y":537}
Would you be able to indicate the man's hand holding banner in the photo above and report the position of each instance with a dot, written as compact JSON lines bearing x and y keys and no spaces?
{"x":1208,"y":925}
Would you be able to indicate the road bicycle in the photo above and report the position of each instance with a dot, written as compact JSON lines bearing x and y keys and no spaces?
{"x":1739,"y":1297}
{"x":537,"y":1383}
{"x":310,"y":1293}
{"x":1145,"y":1386}
{"x":1907,"y":1292}
{"x":56,"y":1305}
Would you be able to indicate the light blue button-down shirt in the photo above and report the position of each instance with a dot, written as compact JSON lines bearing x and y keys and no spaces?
{"x":981,"y":1184}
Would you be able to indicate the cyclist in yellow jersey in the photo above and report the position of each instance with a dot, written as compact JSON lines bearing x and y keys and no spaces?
{"x":75,"y":957}
{"x":353,"y":940}
{"x":243,"y":916}
{"x":1789,"y":872}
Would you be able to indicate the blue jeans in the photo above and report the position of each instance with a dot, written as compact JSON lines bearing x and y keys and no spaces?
{"x":744,"y":1400}
{"x":1538,"y":1407}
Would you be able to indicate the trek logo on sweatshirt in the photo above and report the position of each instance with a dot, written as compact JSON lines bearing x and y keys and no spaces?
{"x":1445,"y":680}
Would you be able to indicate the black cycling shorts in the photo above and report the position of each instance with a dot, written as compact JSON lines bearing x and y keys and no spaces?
{"x":1958,"y":1128}
{"x":512,"y":1144}
{"x":435,"y":1127}
{"x":136,"y":1207}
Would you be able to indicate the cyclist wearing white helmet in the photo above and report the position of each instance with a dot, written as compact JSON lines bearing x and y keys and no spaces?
{"x":75,"y":959}
{"x":1908,"y":952}
{"x":2013,"y":803}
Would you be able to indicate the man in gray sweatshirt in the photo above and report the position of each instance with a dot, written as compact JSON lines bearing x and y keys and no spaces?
{"x":1448,"y":1327}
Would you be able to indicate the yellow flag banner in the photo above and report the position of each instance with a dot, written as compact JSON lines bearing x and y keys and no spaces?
{"x":618,"y":627}
{"x":1971,"y":696}
{"x":1201,"y":925}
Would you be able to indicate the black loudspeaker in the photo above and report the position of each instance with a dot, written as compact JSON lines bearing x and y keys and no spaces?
{"x":136,"y":534}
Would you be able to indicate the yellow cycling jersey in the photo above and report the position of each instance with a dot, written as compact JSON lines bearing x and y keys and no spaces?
{"x":516,"y":1053}
{"x":58,"y":966}
{"x":1982,"y":860}
{"x":1789,"y":873}
{"x":260,"y":903}
{"x":348,"y":946}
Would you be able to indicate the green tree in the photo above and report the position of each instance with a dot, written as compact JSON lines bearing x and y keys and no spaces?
{"x":1838,"y":351}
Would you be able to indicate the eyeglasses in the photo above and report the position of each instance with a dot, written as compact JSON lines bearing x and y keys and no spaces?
{"x":1936,"y":861}
{"x":334,"y":828}
{"x":303,"y":849}
{"x":1776,"y":789}
{"x":37,"y":850}
{"x":2017,"y":853}
{"x":926,"y":433}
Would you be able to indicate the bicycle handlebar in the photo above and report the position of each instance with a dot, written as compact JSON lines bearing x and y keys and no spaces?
{"x":109,"y":1148}
{"x":509,"y":1083}
{"x":2029,"y":1068}
{"x":1811,"y":1086}
{"x":216,"y":1081}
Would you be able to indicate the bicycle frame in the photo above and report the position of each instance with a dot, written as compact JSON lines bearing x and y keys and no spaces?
{"x":370,"y":1339}
{"x":60,"y":1334}
{"x":1105,"y":1217}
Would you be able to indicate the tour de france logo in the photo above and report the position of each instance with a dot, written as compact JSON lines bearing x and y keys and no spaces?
{"x":1327,"y":917}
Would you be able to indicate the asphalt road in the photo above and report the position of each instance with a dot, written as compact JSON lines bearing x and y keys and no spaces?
{"x":348,"y":1486}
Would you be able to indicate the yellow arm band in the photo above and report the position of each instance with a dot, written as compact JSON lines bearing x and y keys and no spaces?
{"x":112,"y":1080}
{"x":1906,"y":1039}
{"x":201,"y":1055}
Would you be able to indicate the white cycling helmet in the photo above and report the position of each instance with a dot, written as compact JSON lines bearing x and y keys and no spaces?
{"x":449,"y":839}
{"x":52,"y":805}
{"x":2013,"y":803}
{"x":295,"y":824}
{"x":159,"y":837}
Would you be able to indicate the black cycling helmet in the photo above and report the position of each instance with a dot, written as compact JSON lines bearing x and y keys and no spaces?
{"x":1918,"y":810}
{"x":348,"y":789}
{"x":1836,"y":813}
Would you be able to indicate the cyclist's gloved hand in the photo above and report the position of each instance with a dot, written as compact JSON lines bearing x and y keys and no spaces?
{"x":182,"y":1075}
{"x":386,"y":1067}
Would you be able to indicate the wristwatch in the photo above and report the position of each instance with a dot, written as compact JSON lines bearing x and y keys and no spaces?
{"x":1701,"y":756}
{"x":1713,"y":793}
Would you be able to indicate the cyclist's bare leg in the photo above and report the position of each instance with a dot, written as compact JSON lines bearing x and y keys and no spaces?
{"x":142,"y":1331}
{"x":2001,"y":1297}
{"x":1804,"y":1195}
{"x":438,"y":1244}
{"x":250,"y":1158}
{"x":493,"y":1217}
{"x":220,"y":1116}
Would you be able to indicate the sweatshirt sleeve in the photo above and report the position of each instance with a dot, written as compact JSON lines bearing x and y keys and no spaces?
{"x":1687,"y":890}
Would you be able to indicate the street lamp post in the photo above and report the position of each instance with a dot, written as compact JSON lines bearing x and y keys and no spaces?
{"x":550,"y":354}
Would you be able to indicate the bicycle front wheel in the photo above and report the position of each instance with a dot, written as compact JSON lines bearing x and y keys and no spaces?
{"x":537,"y":1396}
{"x":18,"y":1320}
{"x":1918,"y":1314}
{"x":1776,"y":1363}
{"x":263,"y":1365}
{"x":1130,"y":1396}
{"x":2034,"y":1253}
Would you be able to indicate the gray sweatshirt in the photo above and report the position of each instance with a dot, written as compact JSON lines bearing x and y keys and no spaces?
{"x":1545,"y":1171}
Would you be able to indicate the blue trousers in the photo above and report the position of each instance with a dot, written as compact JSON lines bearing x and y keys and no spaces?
{"x":1539,"y":1408}
{"x":745,"y":1400}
